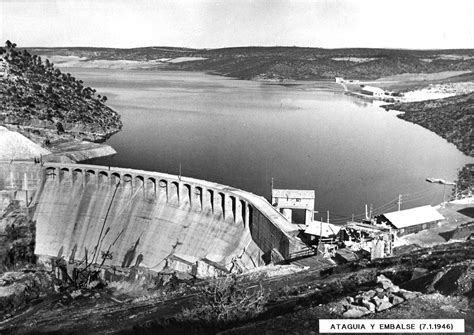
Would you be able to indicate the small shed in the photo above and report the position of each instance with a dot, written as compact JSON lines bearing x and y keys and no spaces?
{"x":412,"y":220}
{"x":373,"y":91}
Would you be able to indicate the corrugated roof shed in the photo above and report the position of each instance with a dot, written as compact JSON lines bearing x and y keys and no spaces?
{"x":413,"y":216}
{"x":303,"y":194}
{"x":327,"y":229}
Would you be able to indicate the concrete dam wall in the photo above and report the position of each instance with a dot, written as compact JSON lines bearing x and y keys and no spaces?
{"x":146,"y":218}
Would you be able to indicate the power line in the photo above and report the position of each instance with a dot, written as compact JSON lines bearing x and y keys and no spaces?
{"x":423,"y":196}
{"x":418,"y":192}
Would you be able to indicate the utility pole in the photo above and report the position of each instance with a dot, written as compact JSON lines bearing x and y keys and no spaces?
{"x":320,"y":235}
{"x":399,"y":201}
{"x":179,"y":176}
{"x":328,"y":217}
{"x":370,"y":212}
{"x":444,"y":195}
{"x":352,"y":217}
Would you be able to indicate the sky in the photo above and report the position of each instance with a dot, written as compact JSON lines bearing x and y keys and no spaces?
{"x":411,"y":24}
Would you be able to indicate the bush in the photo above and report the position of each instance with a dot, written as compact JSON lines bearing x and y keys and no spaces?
{"x":60,"y":128}
{"x":224,"y":301}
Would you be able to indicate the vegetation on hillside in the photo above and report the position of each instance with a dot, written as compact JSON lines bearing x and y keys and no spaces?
{"x":451,"y":118}
{"x":464,"y":183}
{"x":41,"y":99}
{"x":288,"y":62}
{"x":313,"y":64}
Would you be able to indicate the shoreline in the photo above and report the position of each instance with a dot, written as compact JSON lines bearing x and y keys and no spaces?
{"x":336,"y":86}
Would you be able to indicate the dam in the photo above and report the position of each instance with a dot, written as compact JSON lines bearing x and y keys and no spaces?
{"x":142,"y":218}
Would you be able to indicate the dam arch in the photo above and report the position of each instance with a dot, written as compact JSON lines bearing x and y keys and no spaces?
{"x":198,"y":201}
{"x":102,"y":177}
{"x":186,"y":194}
{"x":173,"y":192}
{"x":115,"y":178}
{"x":150,"y":187}
{"x":139,"y":182}
{"x":50,"y":173}
{"x":90,"y":177}
{"x":163,"y":192}
{"x":210,"y":200}
{"x":206,"y":218}
{"x":77,"y":175}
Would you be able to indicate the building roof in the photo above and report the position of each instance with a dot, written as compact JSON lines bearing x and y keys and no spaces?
{"x":373,"y":89}
{"x":413,"y":216}
{"x":327,"y":229}
{"x":376,"y":229}
{"x":304,"y":194}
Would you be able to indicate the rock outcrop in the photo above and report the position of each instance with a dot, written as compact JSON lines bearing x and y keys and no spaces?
{"x":17,"y":289}
{"x":384,"y":296}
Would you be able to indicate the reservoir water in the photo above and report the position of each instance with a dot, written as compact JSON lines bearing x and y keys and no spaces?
{"x":244,"y":133}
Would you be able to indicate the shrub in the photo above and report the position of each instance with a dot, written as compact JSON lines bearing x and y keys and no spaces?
{"x":60,"y":128}
{"x":224,"y":301}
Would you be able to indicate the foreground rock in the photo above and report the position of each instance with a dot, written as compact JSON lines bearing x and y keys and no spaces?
{"x":384,"y":296}
{"x":17,"y":289}
{"x":291,"y":303}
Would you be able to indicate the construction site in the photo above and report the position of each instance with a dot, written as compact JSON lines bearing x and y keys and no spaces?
{"x":384,"y":263}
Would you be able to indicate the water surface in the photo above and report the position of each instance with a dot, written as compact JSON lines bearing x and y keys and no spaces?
{"x":244,"y":133}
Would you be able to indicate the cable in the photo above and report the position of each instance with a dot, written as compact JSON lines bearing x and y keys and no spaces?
{"x":424,"y":196}
{"x":418,"y":192}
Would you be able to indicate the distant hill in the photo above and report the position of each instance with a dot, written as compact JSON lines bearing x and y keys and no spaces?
{"x":288,"y":62}
{"x":44,"y":102}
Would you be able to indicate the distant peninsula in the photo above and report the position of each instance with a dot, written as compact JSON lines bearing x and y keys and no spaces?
{"x":451,"y":118}
{"x":53,"y":108}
